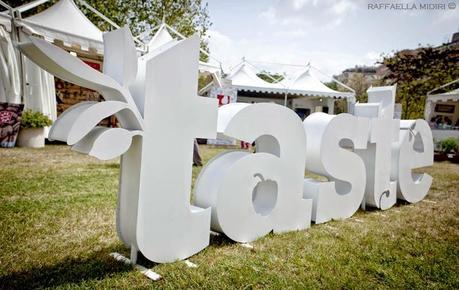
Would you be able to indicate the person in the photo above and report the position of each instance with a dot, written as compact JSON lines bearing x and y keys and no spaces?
{"x":448,"y":121}
{"x":197,"y":160}
{"x":438,"y":120}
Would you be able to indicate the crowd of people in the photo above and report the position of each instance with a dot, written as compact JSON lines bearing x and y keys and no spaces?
{"x":443,"y":122}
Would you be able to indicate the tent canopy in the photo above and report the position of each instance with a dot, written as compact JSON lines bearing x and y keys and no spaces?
{"x":163,"y":40}
{"x":244,"y":78}
{"x":64,"y":21}
{"x":444,"y":97}
{"x":306,"y":84}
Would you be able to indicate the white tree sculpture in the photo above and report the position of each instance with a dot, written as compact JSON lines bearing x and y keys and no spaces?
{"x":154,"y":214}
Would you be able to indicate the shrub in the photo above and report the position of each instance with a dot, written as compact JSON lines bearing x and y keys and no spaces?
{"x":450,"y":144}
{"x":33,"y":119}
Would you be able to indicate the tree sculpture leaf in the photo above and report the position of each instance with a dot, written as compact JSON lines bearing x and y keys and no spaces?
{"x":106,"y":143}
{"x":79,"y":120}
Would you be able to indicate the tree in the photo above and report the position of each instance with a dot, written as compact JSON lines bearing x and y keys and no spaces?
{"x":360,"y":84}
{"x":269,"y":76}
{"x":186,"y":16}
{"x":419,"y":71}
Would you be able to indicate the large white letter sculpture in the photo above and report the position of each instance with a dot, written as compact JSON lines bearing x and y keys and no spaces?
{"x":175,"y":114}
{"x":328,"y":152}
{"x":380,"y":191}
{"x":414,"y":150}
{"x":244,"y":195}
{"x":154,"y":213}
{"x":254,"y":194}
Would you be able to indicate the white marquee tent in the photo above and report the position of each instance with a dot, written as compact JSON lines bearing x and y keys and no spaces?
{"x":443,"y":105}
{"x":307,"y":84}
{"x":64,"y":22}
{"x":244,"y":78}
{"x":163,"y":40}
{"x":304,"y":90}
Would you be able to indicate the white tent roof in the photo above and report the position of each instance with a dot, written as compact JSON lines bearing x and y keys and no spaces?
{"x":163,"y":40}
{"x":449,"y":96}
{"x":306,"y":84}
{"x":64,"y":21}
{"x":243,"y":77}
{"x":161,"y":37}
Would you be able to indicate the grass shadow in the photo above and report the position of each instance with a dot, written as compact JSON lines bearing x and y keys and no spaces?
{"x":220,"y":240}
{"x":94,"y":267}
{"x":103,"y":166}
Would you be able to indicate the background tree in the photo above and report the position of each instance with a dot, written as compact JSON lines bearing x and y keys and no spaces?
{"x":360,"y":84}
{"x":416,"y":72}
{"x":186,"y":16}
{"x":269,"y":76}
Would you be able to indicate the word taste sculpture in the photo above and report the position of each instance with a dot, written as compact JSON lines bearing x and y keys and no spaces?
{"x":367,"y":157}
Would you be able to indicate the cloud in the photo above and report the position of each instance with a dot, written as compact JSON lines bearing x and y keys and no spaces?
{"x":325,"y":14}
{"x":230,"y":52}
{"x":332,"y":35}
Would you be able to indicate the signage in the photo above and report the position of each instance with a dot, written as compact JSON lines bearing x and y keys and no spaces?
{"x":368,"y":158}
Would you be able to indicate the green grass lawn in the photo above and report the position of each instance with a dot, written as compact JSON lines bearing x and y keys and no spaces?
{"x":57,"y":225}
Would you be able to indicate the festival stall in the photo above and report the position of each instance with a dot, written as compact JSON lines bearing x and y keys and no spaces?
{"x":442,"y":113}
{"x":64,"y":25}
{"x":304,"y":93}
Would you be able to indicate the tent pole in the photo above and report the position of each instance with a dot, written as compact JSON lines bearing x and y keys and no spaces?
{"x":335,"y":80}
{"x":30,"y":5}
{"x":183,"y":37}
{"x":442,"y":86}
{"x":6,"y":6}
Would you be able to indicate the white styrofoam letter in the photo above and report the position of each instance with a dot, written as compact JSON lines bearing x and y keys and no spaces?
{"x":414,"y":150}
{"x":168,"y":227}
{"x":253,"y":194}
{"x":380,"y":191}
{"x":328,"y":153}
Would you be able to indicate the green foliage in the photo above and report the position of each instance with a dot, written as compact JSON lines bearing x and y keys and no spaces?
{"x":187,"y":16}
{"x":270,"y":77}
{"x":57,"y":227}
{"x":332,"y":85}
{"x":419,"y":71}
{"x":32,"y":119}
{"x":450,"y":144}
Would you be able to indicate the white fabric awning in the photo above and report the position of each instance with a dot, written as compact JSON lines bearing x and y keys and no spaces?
{"x":243,"y":77}
{"x":64,"y":21}
{"x":163,"y":40}
{"x":306,"y":84}
{"x":10,"y":85}
{"x":444,"y":97}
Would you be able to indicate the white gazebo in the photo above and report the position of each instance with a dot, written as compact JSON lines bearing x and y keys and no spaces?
{"x":65,"y":25}
{"x":303,"y":93}
{"x":62,"y":23}
{"x":163,"y":39}
{"x":442,"y":112}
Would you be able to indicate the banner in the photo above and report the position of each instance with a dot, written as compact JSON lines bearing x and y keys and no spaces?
{"x":225,"y":95}
{"x":10,"y":122}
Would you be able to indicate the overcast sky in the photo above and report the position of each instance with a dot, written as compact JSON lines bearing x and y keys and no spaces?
{"x":331,"y":34}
